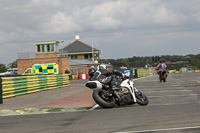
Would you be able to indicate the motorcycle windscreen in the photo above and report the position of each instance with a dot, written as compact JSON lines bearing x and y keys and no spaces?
{"x":106,"y":80}
{"x":96,"y":75}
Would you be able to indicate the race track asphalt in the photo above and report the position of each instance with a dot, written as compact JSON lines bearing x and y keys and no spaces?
{"x":76,"y":95}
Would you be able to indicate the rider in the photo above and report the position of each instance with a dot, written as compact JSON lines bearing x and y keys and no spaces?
{"x":91,"y":72}
{"x":105,"y":76}
{"x":162,"y":67}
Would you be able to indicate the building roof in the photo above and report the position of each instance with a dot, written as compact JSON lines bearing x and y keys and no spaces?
{"x":85,"y":62}
{"x":78,"y":46}
{"x":82,"y":62}
{"x":46,"y":42}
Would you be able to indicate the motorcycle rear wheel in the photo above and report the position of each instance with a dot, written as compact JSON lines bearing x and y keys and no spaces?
{"x":164,"y":78}
{"x":141,"y":98}
{"x":102,"y":99}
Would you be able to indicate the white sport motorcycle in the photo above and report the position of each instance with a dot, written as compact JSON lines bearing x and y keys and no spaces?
{"x":107,"y":97}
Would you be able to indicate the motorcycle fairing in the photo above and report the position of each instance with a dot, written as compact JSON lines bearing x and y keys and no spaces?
{"x":129,"y":84}
{"x":127,"y":98}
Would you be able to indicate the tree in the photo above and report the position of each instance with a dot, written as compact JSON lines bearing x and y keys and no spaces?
{"x":194,"y":61}
{"x":13,"y":65}
{"x":124,"y":62}
{"x":3,"y":68}
{"x":100,"y":61}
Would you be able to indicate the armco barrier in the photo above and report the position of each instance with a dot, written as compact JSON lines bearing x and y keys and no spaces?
{"x":14,"y":86}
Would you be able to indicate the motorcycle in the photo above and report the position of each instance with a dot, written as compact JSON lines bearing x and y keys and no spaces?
{"x":162,"y":75}
{"x":108,"y":97}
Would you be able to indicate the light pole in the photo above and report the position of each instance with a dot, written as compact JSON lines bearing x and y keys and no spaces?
{"x":62,"y":46}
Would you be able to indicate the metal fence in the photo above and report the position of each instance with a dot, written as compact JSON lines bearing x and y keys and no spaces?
{"x":25,"y":55}
{"x":29,"y":55}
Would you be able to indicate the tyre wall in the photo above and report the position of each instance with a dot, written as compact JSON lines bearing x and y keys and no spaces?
{"x":15,"y":86}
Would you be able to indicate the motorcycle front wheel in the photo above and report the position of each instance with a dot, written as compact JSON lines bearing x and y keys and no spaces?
{"x":102,"y":98}
{"x":141,"y":98}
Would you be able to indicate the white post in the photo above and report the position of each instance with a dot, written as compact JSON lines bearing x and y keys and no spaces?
{"x":92,"y":53}
{"x":62,"y":46}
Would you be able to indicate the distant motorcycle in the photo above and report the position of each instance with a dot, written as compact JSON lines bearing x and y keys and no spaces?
{"x":162,"y":75}
{"x":107,"y":97}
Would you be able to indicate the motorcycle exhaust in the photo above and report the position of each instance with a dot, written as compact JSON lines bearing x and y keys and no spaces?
{"x":116,"y":95}
{"x":93,"y":85}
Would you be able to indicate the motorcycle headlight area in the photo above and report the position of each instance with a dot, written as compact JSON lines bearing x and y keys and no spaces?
{"x":125,"y":90}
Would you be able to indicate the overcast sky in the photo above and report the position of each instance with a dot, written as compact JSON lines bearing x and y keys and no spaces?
{"x":120,"y":28}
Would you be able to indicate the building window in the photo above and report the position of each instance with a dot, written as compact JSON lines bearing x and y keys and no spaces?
{"x":52,"y":47}
{"x":88,"y":56}
{"x":38,"y":48}
{"x":43,"y":48}
{"x":40,"y":69}
{"x":49,"y":67}
{"x":74,"y":57}
{"x":48,"y":47}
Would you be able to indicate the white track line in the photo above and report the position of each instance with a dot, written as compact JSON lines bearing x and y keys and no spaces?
{"x":142,"y":78}
{"x":157,"y":130}
{"x":149,"y":91}
{"x":176,"y":95}
{"x":169,"y":104}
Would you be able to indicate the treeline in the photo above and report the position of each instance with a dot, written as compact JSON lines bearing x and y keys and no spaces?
{"x":4,"y":68}
{"x":135,"y":62}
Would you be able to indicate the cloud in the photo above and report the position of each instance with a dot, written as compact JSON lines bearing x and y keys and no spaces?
{"x":59,"y":23}
{"x":133,"y":23}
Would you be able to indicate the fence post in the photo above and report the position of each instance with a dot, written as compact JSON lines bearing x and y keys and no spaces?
{"x":1,"y":92}
{"x":136,"y":73}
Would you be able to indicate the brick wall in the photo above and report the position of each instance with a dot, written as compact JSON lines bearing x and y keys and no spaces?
{"x":64,"y":64}
{"x":79,"y":69}
{"x":85,"y":69}
{"x":81,"y":57}
{"x":46,"y":55}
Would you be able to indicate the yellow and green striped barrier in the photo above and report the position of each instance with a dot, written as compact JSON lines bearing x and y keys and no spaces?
{"x":15,"y":86}
{"x":185,"y":71}
{"x":74,"y":77}
{"x":143,"y":72}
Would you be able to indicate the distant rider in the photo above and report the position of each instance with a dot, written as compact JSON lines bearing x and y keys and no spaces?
{"x":162,"y":68}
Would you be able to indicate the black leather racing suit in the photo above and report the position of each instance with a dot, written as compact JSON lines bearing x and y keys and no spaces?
{"x":105,"y":77}
{"x":91,"y":73}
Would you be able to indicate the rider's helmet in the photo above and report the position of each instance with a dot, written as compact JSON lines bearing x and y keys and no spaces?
{"x":161,"y":61}
{"x":101,"y":67}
